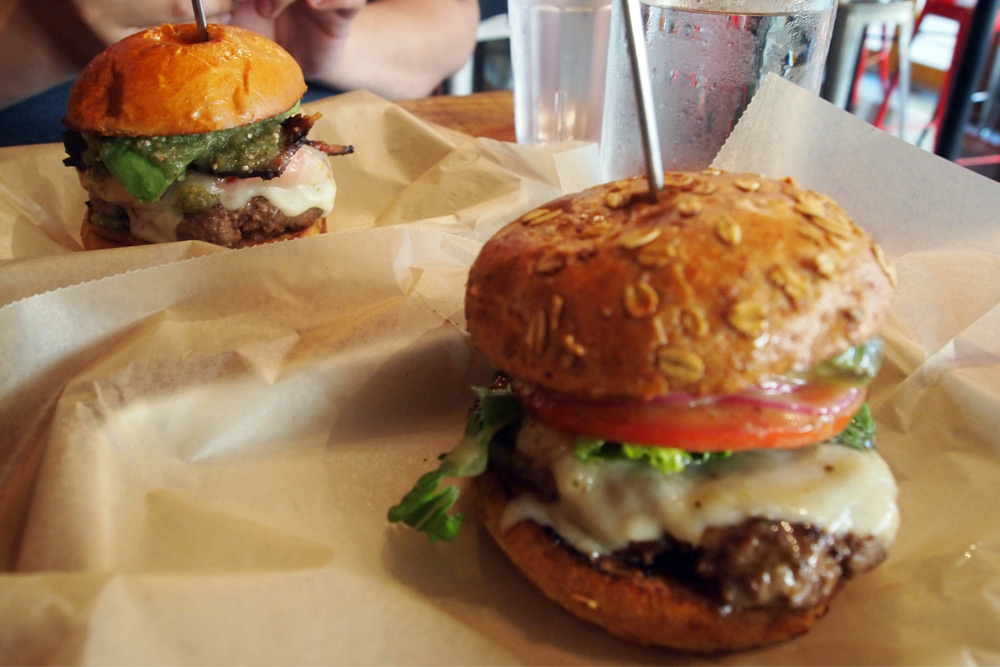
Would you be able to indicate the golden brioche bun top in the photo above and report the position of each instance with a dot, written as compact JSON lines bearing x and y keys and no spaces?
{"x":726,"y":281}
{"x":164,"y":81}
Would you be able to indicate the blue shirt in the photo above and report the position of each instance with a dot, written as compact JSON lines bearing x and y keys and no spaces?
{"x":38,"y":119}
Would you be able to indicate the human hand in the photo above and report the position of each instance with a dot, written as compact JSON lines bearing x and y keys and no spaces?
{"x":312,"y":31}
{"x":398,"y":48}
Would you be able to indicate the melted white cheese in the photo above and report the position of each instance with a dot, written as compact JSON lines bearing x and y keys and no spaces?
{"x":305,"y":183}
{"x":605,"y":505}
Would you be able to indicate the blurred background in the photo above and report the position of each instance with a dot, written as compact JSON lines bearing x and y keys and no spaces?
{"x":931,"y":36}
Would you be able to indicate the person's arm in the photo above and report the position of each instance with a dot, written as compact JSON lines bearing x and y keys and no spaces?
{"x":404,"y":49}
{"x":399,"y":49}
{"x":113,"y":20}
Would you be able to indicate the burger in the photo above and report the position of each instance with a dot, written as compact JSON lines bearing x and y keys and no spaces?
{"x":677,"y":446}
{"x":175,"y":138}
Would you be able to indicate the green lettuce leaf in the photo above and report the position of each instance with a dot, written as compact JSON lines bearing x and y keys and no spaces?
{"x":668,"y":460}
{"x":859,"y":363}
{"x":425,"y":507}
{"x":860,"y":433}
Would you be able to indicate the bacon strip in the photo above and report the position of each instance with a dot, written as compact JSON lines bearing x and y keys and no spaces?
{"x":294,"y":130}
{"x":331,"y":149}
{"x":75,"y":145}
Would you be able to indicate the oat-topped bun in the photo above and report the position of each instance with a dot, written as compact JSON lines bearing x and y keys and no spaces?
{"x":677,"y":446}
{"x":727,"y":280}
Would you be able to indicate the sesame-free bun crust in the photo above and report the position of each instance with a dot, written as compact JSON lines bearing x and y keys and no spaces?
{"x":164,"y":81}
{"x":630,"y":605}
{"x":95,"y":237}
{"x":725,"y":281}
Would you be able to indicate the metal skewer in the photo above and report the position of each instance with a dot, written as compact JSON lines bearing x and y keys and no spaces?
{"x":199,"y":18}
{"x":644,"y":98}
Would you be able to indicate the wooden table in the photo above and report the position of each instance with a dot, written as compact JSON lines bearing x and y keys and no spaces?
{"x":489,"y":114}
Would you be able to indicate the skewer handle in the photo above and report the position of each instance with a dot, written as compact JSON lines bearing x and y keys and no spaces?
{"x":644,"y":97}
{"x":199,"y":19}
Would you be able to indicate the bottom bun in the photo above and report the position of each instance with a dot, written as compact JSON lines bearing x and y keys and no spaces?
{"x":633,"y":606}
{"x":95,"y":237}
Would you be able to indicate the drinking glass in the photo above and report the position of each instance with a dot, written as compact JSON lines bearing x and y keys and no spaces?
{"x":559,"y":51}
{"x":706,"y":60}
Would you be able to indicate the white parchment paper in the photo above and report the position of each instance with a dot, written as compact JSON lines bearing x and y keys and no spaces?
{"x":198,"y":446}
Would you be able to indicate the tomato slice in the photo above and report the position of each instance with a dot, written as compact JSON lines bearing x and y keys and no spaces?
{"x":784,"y":417}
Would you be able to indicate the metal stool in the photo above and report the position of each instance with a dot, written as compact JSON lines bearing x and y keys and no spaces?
{"x":989,"y":117}
{"x":849,"y":31}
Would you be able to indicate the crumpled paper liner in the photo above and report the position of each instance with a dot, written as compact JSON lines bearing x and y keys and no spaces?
{"x":199,"y":446}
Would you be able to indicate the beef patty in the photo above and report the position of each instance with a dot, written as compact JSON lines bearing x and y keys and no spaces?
{"x":754,"y":564}
{"x":255,"y":222}
{"x":757,"y":563}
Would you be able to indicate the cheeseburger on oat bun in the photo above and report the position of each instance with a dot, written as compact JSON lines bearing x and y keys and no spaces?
{"x":677,"y":447}
{"x":179,"y":139}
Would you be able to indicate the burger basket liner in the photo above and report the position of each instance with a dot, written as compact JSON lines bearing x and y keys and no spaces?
{"x":198,"y":446}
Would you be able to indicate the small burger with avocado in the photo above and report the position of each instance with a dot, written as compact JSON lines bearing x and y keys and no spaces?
{"x":175,"y":138}
{"x":677,"y":446}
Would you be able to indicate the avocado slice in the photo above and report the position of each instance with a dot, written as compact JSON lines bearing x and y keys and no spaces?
{"x":138,"y":174}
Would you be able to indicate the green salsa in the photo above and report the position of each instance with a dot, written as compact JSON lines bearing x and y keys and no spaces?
{"x":193,"y":199}
{"x":147,"y":166}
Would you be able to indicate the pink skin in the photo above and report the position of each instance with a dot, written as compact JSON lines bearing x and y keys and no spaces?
{"x":312,"y":31}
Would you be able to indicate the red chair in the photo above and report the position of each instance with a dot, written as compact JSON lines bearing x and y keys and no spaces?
{"x":956,"y":10}
{"x":844,"y":66}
